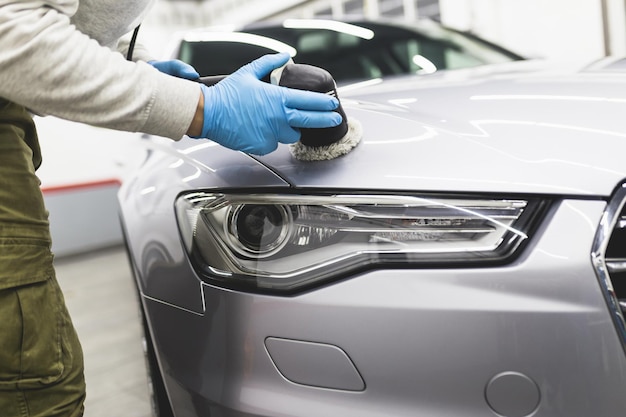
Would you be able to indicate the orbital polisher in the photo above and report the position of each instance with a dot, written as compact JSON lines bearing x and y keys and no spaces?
{"x":319,"y":144}
{"x":323,"y":143}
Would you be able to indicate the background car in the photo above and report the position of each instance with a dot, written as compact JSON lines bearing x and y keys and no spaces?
{"x":466,"y":258}
{"x":349,"y":50}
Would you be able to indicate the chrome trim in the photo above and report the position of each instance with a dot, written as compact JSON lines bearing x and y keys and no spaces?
{"x":616,"y":265}
{"x":608,"y":223}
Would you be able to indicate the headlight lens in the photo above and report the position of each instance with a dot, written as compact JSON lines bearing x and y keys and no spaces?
{"x":287,"y":243}
{"x":258,"y":230}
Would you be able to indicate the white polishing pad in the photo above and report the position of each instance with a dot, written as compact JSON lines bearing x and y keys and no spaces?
{"x":332,"y":151}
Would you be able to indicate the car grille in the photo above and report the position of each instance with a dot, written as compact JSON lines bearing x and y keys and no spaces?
{"x":609,"y":259}
{"x":615,"y":259}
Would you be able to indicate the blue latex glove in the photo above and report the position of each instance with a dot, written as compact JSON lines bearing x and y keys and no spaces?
{"x":176,"y":68}
{"x":243,"y":113}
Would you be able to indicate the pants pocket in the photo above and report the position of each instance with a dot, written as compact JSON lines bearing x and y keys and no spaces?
{"x":24,"y":260}
{"x":32,"y":322}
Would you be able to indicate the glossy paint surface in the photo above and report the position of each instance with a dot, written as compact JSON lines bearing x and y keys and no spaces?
{"x":425,"y":342}
{"x":478,"y":130}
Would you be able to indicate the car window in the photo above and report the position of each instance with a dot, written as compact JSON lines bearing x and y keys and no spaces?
{"x":392,"y":50}
{"x":219,"y":57}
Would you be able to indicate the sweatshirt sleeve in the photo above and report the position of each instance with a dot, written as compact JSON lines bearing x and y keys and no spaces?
{"x":50,"y":67}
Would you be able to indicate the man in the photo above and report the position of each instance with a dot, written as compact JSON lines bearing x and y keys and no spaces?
{"x":62,"y":58}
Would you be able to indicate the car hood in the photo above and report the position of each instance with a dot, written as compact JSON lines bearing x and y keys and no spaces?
{"x":479,"y":130}
{"x":482,"y":130}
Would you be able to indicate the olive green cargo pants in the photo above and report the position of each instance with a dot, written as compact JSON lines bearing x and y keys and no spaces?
{"x":41,"y":362}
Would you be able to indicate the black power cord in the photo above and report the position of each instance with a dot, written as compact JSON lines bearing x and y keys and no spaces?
{"x":209,"y":81}
{"x":131,"y":46}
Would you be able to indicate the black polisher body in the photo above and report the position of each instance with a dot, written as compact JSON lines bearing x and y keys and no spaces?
{"x":311,"y":78}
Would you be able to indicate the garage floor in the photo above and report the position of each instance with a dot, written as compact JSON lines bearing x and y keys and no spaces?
{"x":101,"y":298}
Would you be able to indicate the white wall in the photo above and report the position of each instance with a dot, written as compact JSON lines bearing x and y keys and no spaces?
{"x":83,"y":219}
{"x":616,"y":30}
{"x":558,"y":29}
{"x":80,"y":174}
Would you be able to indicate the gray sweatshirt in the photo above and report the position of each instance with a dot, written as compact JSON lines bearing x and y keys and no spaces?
{"x":65,"y":58}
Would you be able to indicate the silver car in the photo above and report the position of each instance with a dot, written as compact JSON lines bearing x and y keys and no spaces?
{"x":466,"y":258}
{"x":350,"y":50}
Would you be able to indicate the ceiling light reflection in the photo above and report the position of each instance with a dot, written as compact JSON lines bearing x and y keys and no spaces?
{"x":340,"y":27}
{"x":355,"y":86}
{"x":176,"y":164}
{"x":426,"y":65}
{"x":247,"y":38}
{"x":203,"y":145}
{"x":194,"y":176}
{"x":402,"y":102}
{"x":547,"y":97}
{"x":147,"y":190}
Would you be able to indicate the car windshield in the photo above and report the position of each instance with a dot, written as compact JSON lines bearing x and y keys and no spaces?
{"x":351,"y":52}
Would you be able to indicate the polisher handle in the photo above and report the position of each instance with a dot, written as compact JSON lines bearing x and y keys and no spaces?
{"x":211,"y":79}
{"x":312,"y":78}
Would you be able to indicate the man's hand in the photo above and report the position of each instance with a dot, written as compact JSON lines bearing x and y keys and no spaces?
{"x":244,"y":113}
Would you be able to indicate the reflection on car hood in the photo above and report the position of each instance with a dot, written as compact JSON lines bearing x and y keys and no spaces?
{"x":479,"y":131}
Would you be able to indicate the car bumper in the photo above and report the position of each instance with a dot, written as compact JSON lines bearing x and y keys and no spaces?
{"x":531,"y":338}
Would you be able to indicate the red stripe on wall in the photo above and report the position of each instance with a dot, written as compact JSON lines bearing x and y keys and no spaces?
{"x":82,"y":186}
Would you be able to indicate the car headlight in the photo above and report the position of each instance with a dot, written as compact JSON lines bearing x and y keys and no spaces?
{"x":287,"y":243}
